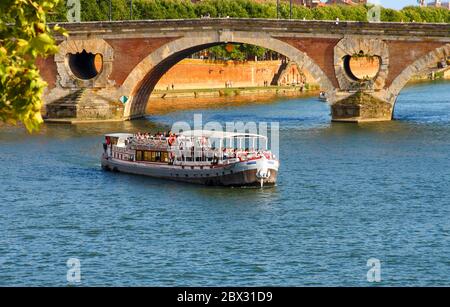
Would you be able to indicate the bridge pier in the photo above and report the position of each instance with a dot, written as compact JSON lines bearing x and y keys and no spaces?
{"x":361,"y":107}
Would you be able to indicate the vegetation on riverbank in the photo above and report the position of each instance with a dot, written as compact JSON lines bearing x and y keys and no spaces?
{"x":92,"y":10}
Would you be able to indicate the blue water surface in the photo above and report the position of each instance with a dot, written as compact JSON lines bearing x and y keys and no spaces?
{"x":346,"y":193}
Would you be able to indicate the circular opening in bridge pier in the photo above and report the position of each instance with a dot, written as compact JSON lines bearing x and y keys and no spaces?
{"x":85,"y":65}
{"x":362,"y":66}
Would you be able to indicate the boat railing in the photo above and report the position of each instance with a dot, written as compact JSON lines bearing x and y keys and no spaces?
{"x":209,"y":154}
{"x":120,"y":149}
{"x":196,"y":153}
{"x":193,"y":163}
{"x":149,"y":144}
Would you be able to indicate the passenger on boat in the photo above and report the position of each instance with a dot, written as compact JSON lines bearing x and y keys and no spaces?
{"x":171,"y":140}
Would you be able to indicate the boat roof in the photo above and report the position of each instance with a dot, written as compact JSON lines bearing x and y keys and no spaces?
{"x":219,"y":134}
{"x":119,"y":135}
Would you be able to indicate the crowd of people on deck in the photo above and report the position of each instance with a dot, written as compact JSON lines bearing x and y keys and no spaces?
{"x":164,"y":138}
{"x":186,"y":146}
{"x":147,"y":136}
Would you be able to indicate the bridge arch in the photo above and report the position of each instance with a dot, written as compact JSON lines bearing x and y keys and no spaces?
{"x":419,"y":66}
{"x":140,"y":82}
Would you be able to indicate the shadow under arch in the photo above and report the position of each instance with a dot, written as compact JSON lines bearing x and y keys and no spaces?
{"x":141,"y":81}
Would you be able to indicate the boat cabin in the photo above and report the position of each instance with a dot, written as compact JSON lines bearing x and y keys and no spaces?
{"x":189,"y":147}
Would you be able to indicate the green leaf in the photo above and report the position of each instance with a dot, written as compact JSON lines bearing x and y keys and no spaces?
{"x":24,"y":36}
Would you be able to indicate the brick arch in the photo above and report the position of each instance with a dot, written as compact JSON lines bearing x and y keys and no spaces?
{"x":140,"y":82}
{"x":415,"y":68}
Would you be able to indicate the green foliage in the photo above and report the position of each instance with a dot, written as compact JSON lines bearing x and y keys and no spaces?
{"x":411,"y":14}
{"x":392,"y":15}
{"x":24,"y":36}
{"x":172,"y":9}
{"x":438,"y":15}
{"x":356,"y":13}
{"x":328,"y":12}
{"x":58,"y":13}
{"x":238,"y":52}
{"x":162,"y":9}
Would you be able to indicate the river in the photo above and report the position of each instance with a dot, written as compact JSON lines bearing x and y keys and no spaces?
{"x":346,"y":193}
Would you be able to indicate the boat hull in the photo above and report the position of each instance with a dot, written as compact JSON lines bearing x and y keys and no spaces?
{"x":237,"y":174}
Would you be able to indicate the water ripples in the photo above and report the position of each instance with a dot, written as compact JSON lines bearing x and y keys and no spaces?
{"x":346,"y":193}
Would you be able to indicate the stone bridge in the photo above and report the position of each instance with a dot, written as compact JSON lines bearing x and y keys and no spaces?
{"x":103,"y":64}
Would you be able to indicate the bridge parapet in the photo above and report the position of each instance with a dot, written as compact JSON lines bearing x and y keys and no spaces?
{"x":440,"y":31}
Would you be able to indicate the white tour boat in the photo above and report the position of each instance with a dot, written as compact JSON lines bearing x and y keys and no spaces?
{"x":195,"y":156}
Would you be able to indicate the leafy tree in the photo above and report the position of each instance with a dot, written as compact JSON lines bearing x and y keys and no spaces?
{"x":354,"y":13}
{"x":393,"y":15}
{"x":252,"y":51}
{"x":301,"y":12}
{"x":24,"y":36}
{"x":409,"y":14}
{"x":237,"y":52}
{"x":330,"y":12}
{"x":58,"y":13}
{"x":169,"y":9}
{"x":94,"y":10}
{"x":205,"y":8}
{"x":430,"y":14}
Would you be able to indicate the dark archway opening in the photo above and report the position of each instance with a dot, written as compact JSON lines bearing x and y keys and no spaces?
{"x":85,"y":65}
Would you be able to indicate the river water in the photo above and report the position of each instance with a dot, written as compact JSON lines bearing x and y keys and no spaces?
{"x":346,"y":193}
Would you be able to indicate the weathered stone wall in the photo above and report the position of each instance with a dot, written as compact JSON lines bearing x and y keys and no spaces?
{"x":361,"y":107}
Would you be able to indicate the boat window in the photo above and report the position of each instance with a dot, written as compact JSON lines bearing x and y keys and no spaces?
{"x":165,"y":156}
{"x":139,"y":155}
{"x":153,"y":156}
{"x":147,"y":156}
{"x":157,"y":156}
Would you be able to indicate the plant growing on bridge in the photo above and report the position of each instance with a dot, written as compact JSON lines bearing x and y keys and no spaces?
{"x":24,"y":37}
{"x":361,"y":54}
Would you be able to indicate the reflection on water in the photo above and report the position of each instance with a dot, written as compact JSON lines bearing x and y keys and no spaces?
{"x":346,"y":193}
{"x":167,"y":105}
